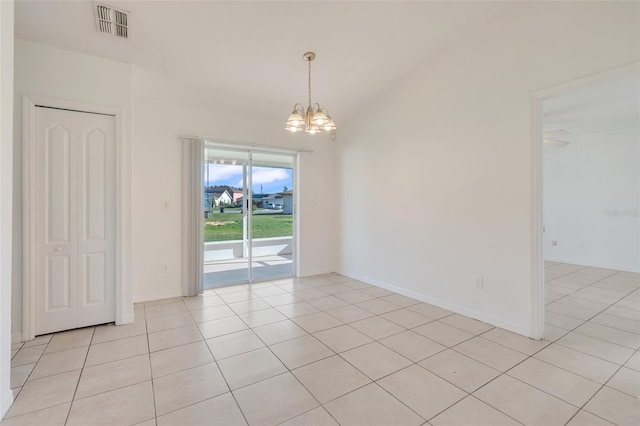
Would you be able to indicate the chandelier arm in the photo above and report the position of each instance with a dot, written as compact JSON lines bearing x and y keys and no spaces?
{"x":309,"y":83}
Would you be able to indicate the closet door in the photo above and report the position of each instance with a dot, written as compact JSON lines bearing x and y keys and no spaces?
{"x":75,"y":219}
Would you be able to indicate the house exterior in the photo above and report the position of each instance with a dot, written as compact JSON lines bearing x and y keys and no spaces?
{"x":221,"y":198}
{"x":287,"y":202}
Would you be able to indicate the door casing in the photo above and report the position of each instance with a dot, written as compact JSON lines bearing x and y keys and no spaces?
{"x":124,"y":299}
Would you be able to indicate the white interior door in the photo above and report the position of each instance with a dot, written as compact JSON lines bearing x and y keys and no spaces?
{"x":75,"y":219}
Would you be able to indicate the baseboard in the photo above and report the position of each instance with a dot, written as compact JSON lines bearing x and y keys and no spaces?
{"x":153,"y":297}
{"x":319,"y":271}
{"x":593,"y":264}
{"x":480,"y":316}
{"x":6,"y":403}
{"x":16,"y":337}
{"x":126,"y":320}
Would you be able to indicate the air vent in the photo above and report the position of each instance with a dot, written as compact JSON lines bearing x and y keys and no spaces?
{"x":111,"y":21}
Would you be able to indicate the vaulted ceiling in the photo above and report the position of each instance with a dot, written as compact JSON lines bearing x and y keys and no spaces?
{"x":247,"y":56}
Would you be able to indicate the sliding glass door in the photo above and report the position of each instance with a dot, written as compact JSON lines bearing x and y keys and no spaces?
{"x":248,"y":216}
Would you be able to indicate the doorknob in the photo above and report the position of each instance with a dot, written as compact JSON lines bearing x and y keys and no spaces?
{"x":58,"y":249}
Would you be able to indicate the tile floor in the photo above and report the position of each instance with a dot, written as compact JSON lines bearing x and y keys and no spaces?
{"x":328,"y":350}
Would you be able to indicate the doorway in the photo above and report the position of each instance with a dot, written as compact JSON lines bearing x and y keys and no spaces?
{"x":249,"y":215}
{"x":586,"y":189}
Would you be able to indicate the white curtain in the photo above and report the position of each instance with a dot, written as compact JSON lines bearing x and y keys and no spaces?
{"x":192,"y":217}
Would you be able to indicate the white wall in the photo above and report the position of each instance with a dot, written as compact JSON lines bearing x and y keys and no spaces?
{"x":6,"y":190}
{"x":56,"y":73}
{"x":591,"y":200}
{"x":157,"y":231}
{"x":452,"y":143}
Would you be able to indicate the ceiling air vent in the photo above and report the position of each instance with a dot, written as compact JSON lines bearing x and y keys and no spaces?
{"x":111,"y":21}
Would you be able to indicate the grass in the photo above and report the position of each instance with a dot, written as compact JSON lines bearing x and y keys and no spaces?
{"x":265,"y":225}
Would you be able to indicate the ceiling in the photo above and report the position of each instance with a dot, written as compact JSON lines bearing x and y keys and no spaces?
{"x":247,"y":56}
{"x":607,"y":106}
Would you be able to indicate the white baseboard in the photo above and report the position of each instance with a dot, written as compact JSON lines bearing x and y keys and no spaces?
{"x":152,"y":297}
{"x":480,"y":316}
{"x":16,"y":337}
{"x":6,"y":403}
{"x":319,"y":271}
{"x":624,"y":268}
{"x":125,"y":320}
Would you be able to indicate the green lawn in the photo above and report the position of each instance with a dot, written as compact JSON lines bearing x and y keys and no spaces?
{"x":228,"y":226}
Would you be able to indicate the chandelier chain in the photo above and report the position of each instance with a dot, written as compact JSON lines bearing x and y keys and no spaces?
{"x":309,"y":83}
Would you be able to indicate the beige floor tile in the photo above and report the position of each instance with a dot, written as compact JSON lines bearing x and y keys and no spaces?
{"x":577,"y":301}
{"x":316,"y":417}
{"x":400,"y":300}
{"x":328,"y":302}
{"x":577,"y":362}
{"x":52,"y":416}
{"x":563,"y":321}
{"x":634,"y":362}
{"x":60,"y":362}
{"x":317,"y":322}
{"x":587,"y":419}
{"x":406,"y":318}
{"x":308,"y":294}
{"x":556,"y":381}
{"x":279,"y":332}
{"x":430,"y":310}
{"x":472,"y":411}
{"x":525,"y":403}
{"x":464,"y":372}
{"x":443,"y":333}
{"x":615,"y":406}
{"x":596,"y":347}
{"x":300,"y":351}
{"x":163,"y":301}
{"x":349,"y":313}
{"x":201,"y":302}
{"x":106,"y":333}
{"x":250,"y":367}
{"x":40,"y":340}
{"x":20,"y":374}
{"x":619,"y":311}
{"x":378,"y":306}
{"x":377,"y":327}
{"x":422,"y":391}
{"x":70,"y":339}
{"x":377,"y":291}
{"x":187,"y":387}
{"x":553,"y":333}
{"x":297,"y":309}
{"x":221,"y":410}
{"x":579,"y":312}
{"x":232,"y":289}
{"x":28,"y":355}
{"x":375,"y":360}
{"x":371,"y":406}
{"x":234,"y":344}
{"x":336,"y":289}
{"x":274,"y":400}
{"x":355,"y":296}
{"x":246,"y":306}
{"x":265,"y":290}
{"x":165,"y":309}
{"x":489,"y":353}
{"x":129,"y":405}
{"x":611,"y":335}
{"x":173,"y":337}
{"x":180,"y":358}
{"x":262,"y":317}
{"x":515,"y":341}
{"x":212,"y":313}
{"x":238,"y":296}
{"x":112,"y":375}
{"x":330,"y":378}
{"x":44,"y":393}
{"x":467,"y":324}
{"x":281,"y":299}
{"x":620,"y":323}
{"x":626,"y":380}
{"x":412,"y":345}
{"x":342,"y":338}
{"x":117,"y":349}
{"x":221,"y":327}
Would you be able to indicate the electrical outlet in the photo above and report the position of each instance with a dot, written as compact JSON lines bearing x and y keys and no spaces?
{"x":479,"y":282}
{"x":554,"y":243}
{"x":165,"y":268}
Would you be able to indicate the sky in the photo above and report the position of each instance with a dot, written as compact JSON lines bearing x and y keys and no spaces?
{"x":271,"y":179}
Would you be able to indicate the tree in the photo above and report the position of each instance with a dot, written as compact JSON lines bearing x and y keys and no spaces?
{"x":285,"y":189}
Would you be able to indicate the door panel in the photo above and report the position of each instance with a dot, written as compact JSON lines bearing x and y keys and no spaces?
{"x":96,"y":219}
{"x":56,"y":263}
{"x":75,"y":219}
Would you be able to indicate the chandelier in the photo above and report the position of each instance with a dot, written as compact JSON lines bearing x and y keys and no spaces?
{"x":312,"y":120}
